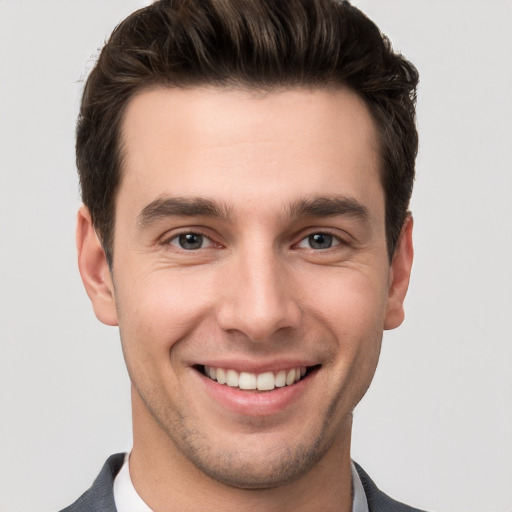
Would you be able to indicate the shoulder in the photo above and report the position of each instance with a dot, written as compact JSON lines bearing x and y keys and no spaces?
{"x":100,"y":497}
{"x":377,"y":500}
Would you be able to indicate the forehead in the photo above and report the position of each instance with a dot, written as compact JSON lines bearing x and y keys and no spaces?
{"x":186,"y":141}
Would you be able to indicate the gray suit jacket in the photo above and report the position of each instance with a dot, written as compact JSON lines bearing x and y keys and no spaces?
{"x":100,"y":497}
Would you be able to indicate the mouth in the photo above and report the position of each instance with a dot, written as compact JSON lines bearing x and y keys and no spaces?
{"x":258,"y":382}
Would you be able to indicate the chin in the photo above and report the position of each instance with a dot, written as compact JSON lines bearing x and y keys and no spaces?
{"x":283,"y":465}
{"x":256,"y":460}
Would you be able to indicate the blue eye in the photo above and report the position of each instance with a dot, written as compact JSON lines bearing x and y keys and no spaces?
{"x":319,"y":241}
{"x":191,"y":241}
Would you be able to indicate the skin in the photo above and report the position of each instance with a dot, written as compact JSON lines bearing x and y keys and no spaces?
{"x":256,"y":295}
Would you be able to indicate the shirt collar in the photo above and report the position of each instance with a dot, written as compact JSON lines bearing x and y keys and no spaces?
{"x":359,"y":501}
{"x":127,"y":499}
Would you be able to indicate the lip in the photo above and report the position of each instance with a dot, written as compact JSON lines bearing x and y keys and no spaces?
{"x":256,"y":403}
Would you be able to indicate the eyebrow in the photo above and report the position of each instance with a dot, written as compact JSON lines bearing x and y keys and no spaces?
{"x":329,"y":206}
{"x":182,"y":207}
{"x":323,"y":206}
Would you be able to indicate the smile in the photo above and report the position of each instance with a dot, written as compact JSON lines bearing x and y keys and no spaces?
{"x":266,"y":381}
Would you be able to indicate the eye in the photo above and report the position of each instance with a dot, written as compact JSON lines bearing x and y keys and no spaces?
{"x":319,"y":241}
{"x":191,"y":241}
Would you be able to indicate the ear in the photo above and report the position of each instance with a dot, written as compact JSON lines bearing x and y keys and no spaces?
{"x":94,"y":269}
{"x":399,"y":277}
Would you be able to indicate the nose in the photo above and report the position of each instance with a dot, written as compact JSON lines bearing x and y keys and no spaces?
{"x":258,"y":298}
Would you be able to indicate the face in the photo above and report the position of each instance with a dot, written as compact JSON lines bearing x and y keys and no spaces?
{"x":250,"y":279}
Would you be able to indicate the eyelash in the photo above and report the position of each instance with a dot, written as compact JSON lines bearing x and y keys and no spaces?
{"x":335,"y":239}
{"x":196,"y":233}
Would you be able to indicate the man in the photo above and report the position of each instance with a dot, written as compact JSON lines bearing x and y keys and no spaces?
{"x":246,"y":169}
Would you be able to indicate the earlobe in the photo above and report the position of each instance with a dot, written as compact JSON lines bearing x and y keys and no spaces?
{"x":94,"y":269}
{"x":400,"y":273}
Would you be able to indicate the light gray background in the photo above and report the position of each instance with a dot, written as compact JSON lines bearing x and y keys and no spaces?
{"x":435,"y":429}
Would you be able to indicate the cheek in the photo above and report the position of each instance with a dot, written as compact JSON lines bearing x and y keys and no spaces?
{"x":349,"y":300}
{"x":352,"y":310}
{"x":158,"y":310}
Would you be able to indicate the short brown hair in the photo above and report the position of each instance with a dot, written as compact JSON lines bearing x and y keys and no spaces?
{"x":255,"y":44}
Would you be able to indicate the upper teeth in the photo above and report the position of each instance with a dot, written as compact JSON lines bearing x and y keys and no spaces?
{"x":260,"y":381}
